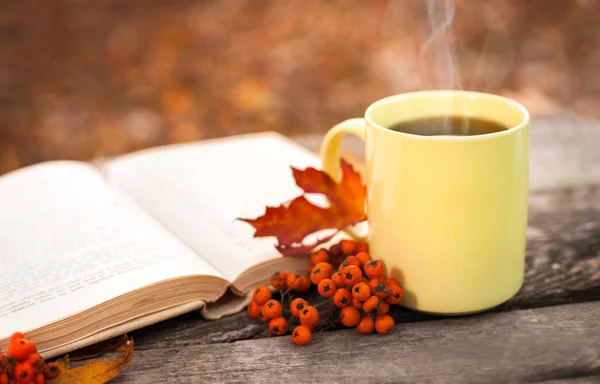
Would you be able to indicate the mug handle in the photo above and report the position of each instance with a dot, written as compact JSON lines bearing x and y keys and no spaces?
{"x":330,"y":147}
{"x":330,"y":152}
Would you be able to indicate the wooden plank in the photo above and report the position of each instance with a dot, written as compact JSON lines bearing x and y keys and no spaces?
{"x":531,"y":345}
{"x":565,"y":149}
{"x":192,"y":328}
{"x":563,"y":247}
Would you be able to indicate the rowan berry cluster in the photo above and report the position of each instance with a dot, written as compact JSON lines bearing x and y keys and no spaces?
{"x":23,"y":365}
{"x":346,"y":274}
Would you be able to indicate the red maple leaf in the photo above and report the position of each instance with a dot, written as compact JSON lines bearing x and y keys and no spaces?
{"x":291,"y":224}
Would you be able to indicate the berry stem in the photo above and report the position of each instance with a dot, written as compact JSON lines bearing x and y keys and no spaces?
{"x":323,"y":329}
{"x":283,"y":294}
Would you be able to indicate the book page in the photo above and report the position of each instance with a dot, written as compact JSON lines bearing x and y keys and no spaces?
{"x":68,"y":242}
{"x":197,"y":191}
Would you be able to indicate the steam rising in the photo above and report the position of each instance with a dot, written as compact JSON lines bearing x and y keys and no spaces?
{"x":437,"y":50}
{"x":497,"y":53}
{"x":435,"y":64}
{"x":431,"y":61}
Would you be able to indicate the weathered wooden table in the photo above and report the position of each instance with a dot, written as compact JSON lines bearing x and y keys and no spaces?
{"x":549,"y":332}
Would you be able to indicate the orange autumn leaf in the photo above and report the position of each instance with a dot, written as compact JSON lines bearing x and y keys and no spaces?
{"x":96,"y":372}
{"x":291,"y":224}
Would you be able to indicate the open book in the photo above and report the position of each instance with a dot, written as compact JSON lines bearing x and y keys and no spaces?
{"x":88,"y":252}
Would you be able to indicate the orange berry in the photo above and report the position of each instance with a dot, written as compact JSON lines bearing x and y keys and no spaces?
{"x":351,"y":275}
{"x":337,"y":279}
{"x":326,"y":266}
{"x":297,"y":305}
{"x":23,"y":372}
{"x":253,"y":309}
{"x":350,"y":316}
{"x":36,"y":362}
{"x":15,"y":336}
{"x":362,"y":247}
{"x":366,"y":325}
{"x":319,"y":274}
{"x":312,"y":327}
{"x":309,"y":315}
{"x":319,"y":256}
{"x":3,"y":378}
{"x":363,"y":258}
{"x":304,"y":284}
{"x":357,"y":304}
{"x":371,"y":305}
{"x":301,"y":335}
{"x":278,"y":326}
{"x":384,"y":307}
{"x":350,"y":260}
{"x":335,"y":250}
{"x":383,"y":324}
{"x":39,"y":379}
{"x":378,"y":288}
{"x":262,"y":316}
{"x":20,"y":348}
{"x":348,"y":247}
{"x":277,"y":280}
{"x":342,"y":298}
{"x":51,"y":371}
{"x":326,"y":288}
{"x":294,"y":280}
{"x":361,"y":291}
{"x":391,"y":282}
{"x":262,"y":294}
{"x":373,"y":269}
{"x":272,"y":309}
{"x":395,"y":294}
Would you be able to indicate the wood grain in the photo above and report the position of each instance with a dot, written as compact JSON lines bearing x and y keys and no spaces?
{"x":563,"y":247}
{"x":519,"y":346}
{"x":192,"y":329}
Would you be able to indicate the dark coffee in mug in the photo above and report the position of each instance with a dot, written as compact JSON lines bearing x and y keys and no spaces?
{"x":448,"y":125}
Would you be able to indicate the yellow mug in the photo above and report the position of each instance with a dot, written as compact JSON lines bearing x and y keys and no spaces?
{"x":447,"y":214}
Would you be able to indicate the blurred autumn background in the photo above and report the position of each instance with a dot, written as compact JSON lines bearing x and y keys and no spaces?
{"x":82,"y":79}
